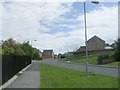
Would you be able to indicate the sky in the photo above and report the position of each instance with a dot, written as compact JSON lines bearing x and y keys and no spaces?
{"x":57,"y":25}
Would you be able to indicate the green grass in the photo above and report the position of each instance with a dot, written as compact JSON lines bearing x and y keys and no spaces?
{"x":114,"y":64}
{"x":0,"y":51}
{"x":91,"y":60}
{"x":57,"y":77}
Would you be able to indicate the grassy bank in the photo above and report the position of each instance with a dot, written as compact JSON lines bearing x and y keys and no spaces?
{"x":56,"y":77}
{"x":114,"y":64}
{"x":91,"y":59}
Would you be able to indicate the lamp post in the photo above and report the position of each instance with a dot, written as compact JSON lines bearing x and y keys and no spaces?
{"x":95,"y":2}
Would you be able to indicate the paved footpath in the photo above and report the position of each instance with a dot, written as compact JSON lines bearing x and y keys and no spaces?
{"x":29,"y":79}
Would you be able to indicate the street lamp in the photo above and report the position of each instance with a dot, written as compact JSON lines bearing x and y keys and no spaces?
{"x":95,"y":2}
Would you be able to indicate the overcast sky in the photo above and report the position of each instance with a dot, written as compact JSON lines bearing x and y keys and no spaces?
{"x":57,"y":25}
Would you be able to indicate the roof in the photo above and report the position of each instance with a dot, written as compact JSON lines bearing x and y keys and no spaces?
{"x":94,"y":39}
{"x":47,"y":52}
{"x":108,"y":48}
{"x":82,"y":46}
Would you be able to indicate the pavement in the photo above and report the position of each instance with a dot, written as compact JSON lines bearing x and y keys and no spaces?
{"x":96,"y":69}
{"x":28,"y":79}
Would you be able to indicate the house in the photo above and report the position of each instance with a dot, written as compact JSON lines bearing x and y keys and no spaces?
{"x":81,"y":49}
{"x":69,"y":54}
{"x":95,"y":43}
{"x":108,"y":47}
{"x":38,"y":51}
{"x":48,"y":54}
{"x":113,"y":45}
{"x":55,"y":56}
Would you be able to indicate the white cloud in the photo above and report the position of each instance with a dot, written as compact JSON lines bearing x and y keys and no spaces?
{"x":58,"y":0}
{"x":26,"y":17}
{"x":60,"y":34}
{"x":103,"y":23}
{"x":25,"y":21}
{"x":0,"y":20}
{"x":22,"y":21}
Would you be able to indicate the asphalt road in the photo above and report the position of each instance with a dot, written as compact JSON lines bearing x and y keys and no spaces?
{"x":103,"y":70}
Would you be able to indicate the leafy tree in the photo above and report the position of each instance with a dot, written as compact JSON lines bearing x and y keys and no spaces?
{"x":27,"y":48}
{"x":11,"y":47}
{"x":18,"y":50}
{"x":117,"y":50}
{"x":36,"y":54}
{"x":8,"y":46}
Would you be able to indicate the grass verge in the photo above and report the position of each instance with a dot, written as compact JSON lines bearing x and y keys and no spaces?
{"x":92,"y":59}
{"x":57,"y":77}
{"x":114,"y":64}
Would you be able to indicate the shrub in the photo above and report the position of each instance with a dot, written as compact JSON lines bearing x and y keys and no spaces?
{"x":62,"y":56}
{"x":112,"y":56}
{"x":117,"y":51}
{"x":101,"y":58}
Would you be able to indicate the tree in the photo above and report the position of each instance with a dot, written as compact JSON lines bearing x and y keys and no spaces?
{"x":117,"y":50}
{"x":27,"y":48}
{"x":36,"y":54}
{"x":11,"y":47}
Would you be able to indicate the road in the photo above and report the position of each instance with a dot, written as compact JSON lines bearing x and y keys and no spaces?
{"x":103,"y":70}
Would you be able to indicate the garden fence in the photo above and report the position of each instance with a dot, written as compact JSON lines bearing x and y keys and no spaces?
{"x":12,"y":64}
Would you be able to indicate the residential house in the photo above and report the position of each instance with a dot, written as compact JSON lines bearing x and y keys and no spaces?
{"x":37,"y":50}
{"x":48,"y":54}
{"x":113,"y":45}
{"x":108,"y":47}
{"x":95,"y":43}
{"x":81,"y":49}
{"x":55,"y":56}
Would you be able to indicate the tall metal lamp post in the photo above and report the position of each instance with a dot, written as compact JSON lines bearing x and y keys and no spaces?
{"x":95,"y":2}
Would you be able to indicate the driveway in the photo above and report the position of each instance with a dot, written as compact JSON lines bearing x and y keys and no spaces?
{"x":103,"y":70}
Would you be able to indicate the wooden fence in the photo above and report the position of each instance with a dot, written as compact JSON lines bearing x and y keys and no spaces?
{"x":12,"y":64}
